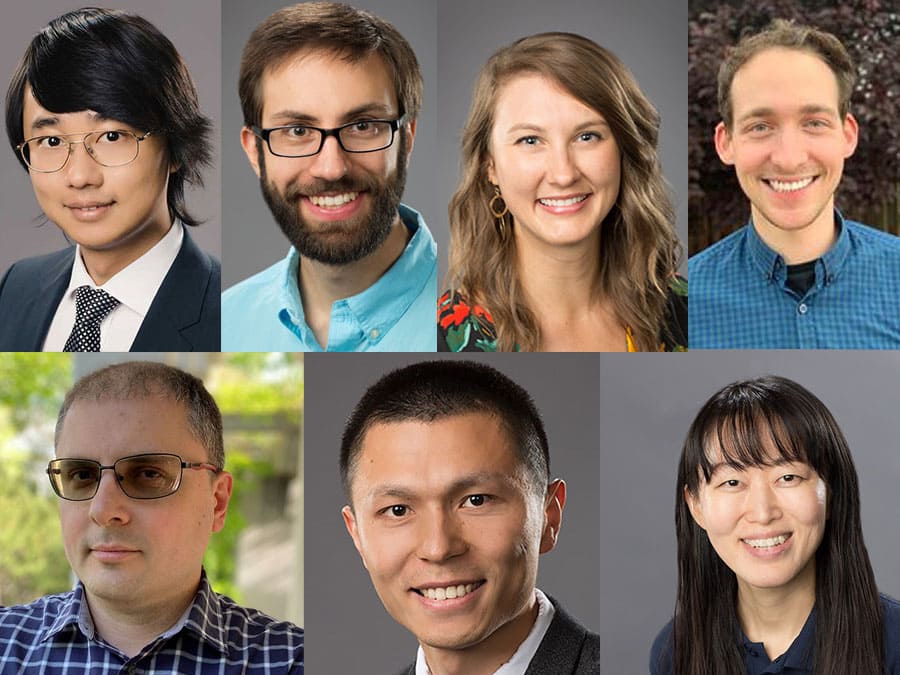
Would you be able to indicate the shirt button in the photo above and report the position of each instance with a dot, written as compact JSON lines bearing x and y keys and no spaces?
{"x":374,"y":333}
{"x":802,"y":308}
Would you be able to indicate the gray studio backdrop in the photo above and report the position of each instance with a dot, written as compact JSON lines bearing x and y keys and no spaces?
{"x":646,"y":407}
{"x":648,"y":35}
{"x":251,"y":241}
{"x":349,"y":631}
{"x":194,"y":29}
{"x":616,"y":423}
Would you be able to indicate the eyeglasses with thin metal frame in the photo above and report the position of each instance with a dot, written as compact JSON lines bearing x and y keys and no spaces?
{"x":92,"y":140}
{"x":146,"y":476}
{"x":349,"y":136}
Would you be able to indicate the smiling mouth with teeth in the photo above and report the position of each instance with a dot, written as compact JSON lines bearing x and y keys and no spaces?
{"x":789,"y":186}
{"x":767,"y":543}
{"x":563,"y":202}
{"x":333,"y":201}
{"x":448,"y":592}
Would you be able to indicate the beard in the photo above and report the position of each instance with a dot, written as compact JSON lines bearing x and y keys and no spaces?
{"x":344,"y":241}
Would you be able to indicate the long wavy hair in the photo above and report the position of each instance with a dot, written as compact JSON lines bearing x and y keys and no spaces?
{"x":639,"y":249}
{"x":747,"y":421}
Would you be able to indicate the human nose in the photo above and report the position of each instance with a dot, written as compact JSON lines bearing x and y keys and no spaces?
{"x":762,"y":504}
{"x":331,"y":161}
{"x":440,"y":537}
{"x":790,"y":150}
{"x":82,"y":170}
{"x":110,"y":505}
{"x":562,"y":168}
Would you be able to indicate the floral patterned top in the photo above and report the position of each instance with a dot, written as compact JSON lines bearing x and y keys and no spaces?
{"x":463,"y":327}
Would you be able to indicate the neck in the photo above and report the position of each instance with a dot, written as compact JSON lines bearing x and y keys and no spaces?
{"x":775,"y":616}
{"x":321,"y":285}
{"x":801,"y":245}
{"x":485,"y":657}
{"x":130,"y":626}
{"x":103,"y":264}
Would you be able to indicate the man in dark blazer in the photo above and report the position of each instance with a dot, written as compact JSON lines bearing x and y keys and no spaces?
{"x":445,"y":466}
{"x":108,"y":159}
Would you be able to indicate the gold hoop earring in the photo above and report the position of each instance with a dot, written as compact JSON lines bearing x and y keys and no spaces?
{"x":499,"y":213}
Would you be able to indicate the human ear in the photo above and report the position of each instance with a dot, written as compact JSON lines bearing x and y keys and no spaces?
{"x":489,"y":166}
{"x":851,"y":135}
{"x":724,"y":144}
{"x":353,"y":530}
{"x":252,"y":147}
{"x":221,"y":494}
{"x":411,"y":136}
{"x":554,"y":504}
{"x":695,"y":508}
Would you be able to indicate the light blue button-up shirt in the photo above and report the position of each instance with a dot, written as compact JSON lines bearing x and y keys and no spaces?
{"x":395,"y":314}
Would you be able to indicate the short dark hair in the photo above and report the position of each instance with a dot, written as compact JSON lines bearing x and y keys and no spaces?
{"x":144,"y":379}
{"x":122,"y":67}
{"x":435,"y":390}
{"x":352,"y":34}
{"x":788,"y":35}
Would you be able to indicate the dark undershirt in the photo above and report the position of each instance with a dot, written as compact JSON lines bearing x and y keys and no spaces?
{"x":800,"y":278}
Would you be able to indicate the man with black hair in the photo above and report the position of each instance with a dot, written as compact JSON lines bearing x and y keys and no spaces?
{"x":109,"y":157}
{"x":446,"y":470}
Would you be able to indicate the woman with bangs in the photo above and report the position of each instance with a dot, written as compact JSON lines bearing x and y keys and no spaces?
{"x":562,"y":228}
{"x":773,"y":573}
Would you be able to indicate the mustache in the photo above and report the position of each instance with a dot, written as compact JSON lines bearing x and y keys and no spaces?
{"x":295,"y":191}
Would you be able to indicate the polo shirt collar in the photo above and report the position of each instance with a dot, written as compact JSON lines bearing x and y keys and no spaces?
{"x":798,"y":656}
{"x":772,"y":265}
{"x":376,"y":309}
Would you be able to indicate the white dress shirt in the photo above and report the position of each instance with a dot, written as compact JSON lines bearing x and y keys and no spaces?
{"x":518,"y":662}
{"x":134,"y":287}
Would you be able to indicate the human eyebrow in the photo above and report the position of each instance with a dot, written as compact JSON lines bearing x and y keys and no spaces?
{"x":458,"y":486}
{"x":290,"y":117}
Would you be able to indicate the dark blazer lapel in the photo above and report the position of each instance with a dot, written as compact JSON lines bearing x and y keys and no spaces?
{"x":185,"y":314}
{"x":29,"y":295}
{"x":565,"y":648}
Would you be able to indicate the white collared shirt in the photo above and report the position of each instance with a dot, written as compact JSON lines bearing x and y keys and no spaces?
{"x":518,"y":662}
{"x":134,"y":287}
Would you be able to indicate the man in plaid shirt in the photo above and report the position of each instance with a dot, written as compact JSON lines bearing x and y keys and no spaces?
{"x":139,"y":472}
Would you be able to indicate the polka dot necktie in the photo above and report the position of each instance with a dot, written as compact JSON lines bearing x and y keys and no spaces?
{"x":91,"y":307}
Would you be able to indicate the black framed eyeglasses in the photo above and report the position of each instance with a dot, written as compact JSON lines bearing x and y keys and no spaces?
{"x":107,"y":147}
{"x":147,"y":476}
{"x":298,"y":140}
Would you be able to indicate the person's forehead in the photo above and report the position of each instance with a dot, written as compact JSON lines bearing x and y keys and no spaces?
{"x":437,"y":452}
{"x":784,"y":70}
{"x":318,"y":82}
{"x":118,"y":427}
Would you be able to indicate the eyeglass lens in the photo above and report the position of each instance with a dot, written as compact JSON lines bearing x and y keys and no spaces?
{"x":364,"y":136}
{"x":108,"y":147}
{"x":140,"y":477}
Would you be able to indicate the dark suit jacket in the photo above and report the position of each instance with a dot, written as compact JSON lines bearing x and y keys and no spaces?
{"x":184,"y":316}
{"x":568,"y":648}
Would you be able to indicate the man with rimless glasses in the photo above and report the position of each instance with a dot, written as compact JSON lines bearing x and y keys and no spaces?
{"x":138,"y":469}
{"x":330,"y":96}
{"x":103,"y":115}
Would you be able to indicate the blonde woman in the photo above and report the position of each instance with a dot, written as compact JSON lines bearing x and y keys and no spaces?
{"x":562,"y":228}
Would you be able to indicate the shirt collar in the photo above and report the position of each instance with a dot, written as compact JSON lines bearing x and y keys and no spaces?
{"x":381,"y":305}
{"x":772,"y":265}
{"x":135,"y":286}
{"x":798,"y":656}
{"x":520,"y":660}
{"x":203,"y":617}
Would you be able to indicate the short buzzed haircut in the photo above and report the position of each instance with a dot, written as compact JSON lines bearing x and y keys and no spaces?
{"x":349,"y":33}
{"x":434,"y":390}
{"x":145,"y":379}
{"x":788,"y":35}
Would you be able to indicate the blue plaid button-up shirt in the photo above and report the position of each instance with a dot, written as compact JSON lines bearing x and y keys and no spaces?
{"x":55,"y":635}
{"x":740,"y":298}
